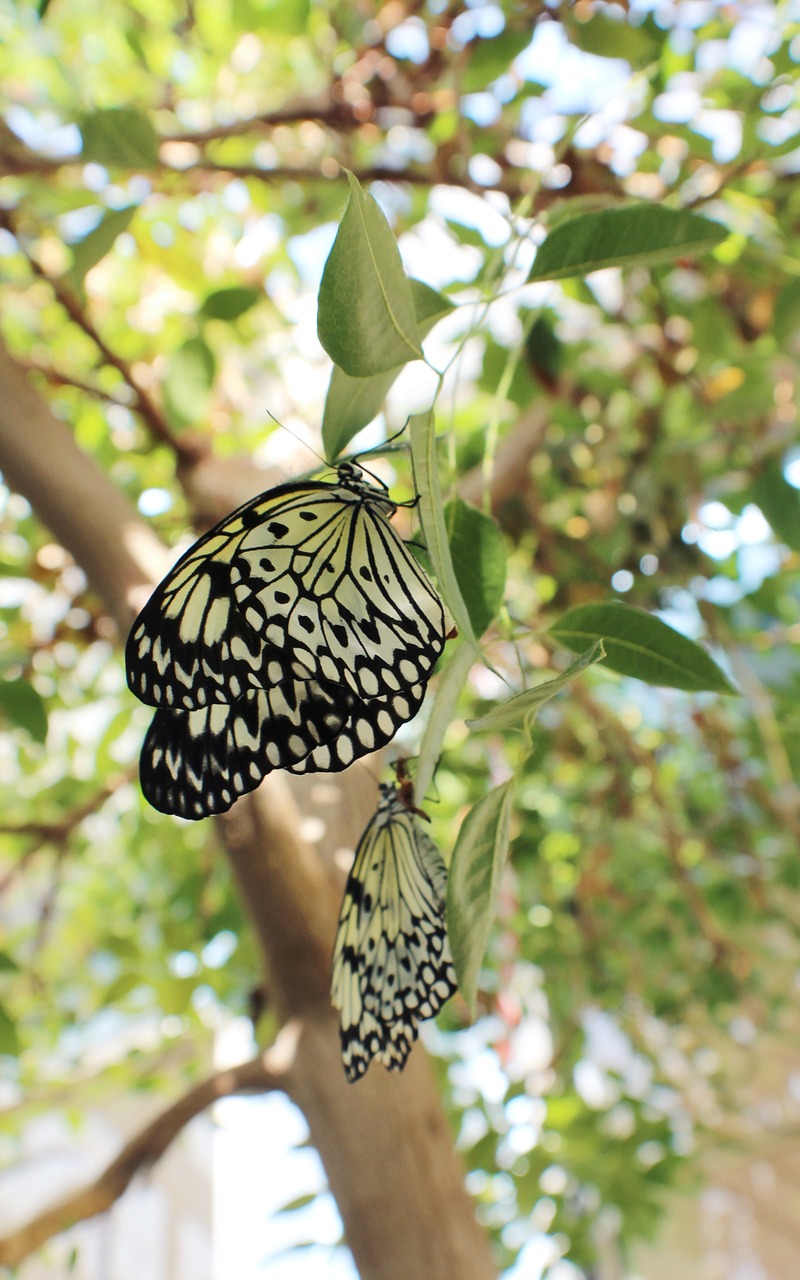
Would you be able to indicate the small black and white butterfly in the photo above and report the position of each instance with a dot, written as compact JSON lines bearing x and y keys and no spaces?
{"x":392,"y":966}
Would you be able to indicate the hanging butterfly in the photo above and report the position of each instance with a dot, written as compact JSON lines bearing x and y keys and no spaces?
{"x":299,"y":633}
{"x":392,"y":966}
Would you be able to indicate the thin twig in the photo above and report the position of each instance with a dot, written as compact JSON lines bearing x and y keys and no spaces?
{"x":185,"y":449}
{"x":143,"y":1150}
{"x":60,"y":379}
{"x":58,"y":833}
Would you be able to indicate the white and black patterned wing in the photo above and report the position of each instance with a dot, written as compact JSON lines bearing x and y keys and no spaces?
{"x":355,"y":605}
{"x":197,"y":763}
{"x":369,"y":725}
{"x":192,"y":645}
{"x":392,"y":966}
{"x":306,"y":580}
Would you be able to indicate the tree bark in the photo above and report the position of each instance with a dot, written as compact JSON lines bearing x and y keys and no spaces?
{"x":384,"y":1142}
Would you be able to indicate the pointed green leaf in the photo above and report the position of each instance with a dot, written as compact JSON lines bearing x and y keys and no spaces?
{"x":119,"y":137}
{"x":449,"y":686}
{"x":366,"y":320}
{"x":300,"y":1202}
{"x":490,"y":57}
{"x":519,"y":712}
{"x":187,"y":385}
{"x":637,"y":644}
{"x":7,"y":963}
{"x":9,"y":1036}
{"x":431,"y":517}
{"x":479,"y":560}
{"x":24,"y":706}
{"x":230,"y":303}
{"x":780,"y":503}
{"x":94,"y":247}
{"x":352,"y":403}
{"x":607,"y":38}
{"x":647,"y":233}
{"x":121,"y":987}
{"x":473,"y":884}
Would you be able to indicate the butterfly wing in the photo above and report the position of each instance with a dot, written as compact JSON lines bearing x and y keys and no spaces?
{"x":392,"y":966}
{"x":197,"y":763}
{"x":348,"y":597}
{"x":369,"y":725}
{"x":192,"y":644}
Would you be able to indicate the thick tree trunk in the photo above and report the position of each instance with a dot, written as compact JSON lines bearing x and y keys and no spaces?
{"x":384,"y":1142}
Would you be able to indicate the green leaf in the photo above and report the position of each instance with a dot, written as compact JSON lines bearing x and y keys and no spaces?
{"x":230,"y":304}
{"x":647,"y":233}
{"x":366,"y":319}
{"x":779,"y":502}
{"x":467,"y":235}
{"x":24,"y":707}
{"x":300,"y":1202}
{"x":608,"y":38}
{"x":119,"y":137}
{"x":449,"y":686}
{"x":519,"y":712}
{"x":188,"y":382}
{"x":280,"y":18}
{"x":94,"y":247}
{"x":637,"y":644}
{"x":479,"y":560}
{"x":10,"y":1042}
{"x":7,"y":964}
{"x":473,"y":884}
{"x":352,"y":403}
{"x":786,"y":320}
{"x":491,"y":56}
{"x":544,"y":350}
{"x":122,"y":987}
{"x":431,"y":517}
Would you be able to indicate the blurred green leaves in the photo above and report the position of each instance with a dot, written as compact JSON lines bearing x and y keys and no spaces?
{"x":119,"y":137}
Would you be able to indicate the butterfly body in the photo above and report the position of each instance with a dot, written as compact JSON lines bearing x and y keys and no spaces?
{"x":298,"y":633}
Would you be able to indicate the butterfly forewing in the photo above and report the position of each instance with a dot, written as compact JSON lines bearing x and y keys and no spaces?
{"x":192,"y":644}
{"x":349,"y":597}
{"x":392,"y":966}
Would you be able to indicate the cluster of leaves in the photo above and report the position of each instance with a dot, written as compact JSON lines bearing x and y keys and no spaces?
{"x":653,"y":831}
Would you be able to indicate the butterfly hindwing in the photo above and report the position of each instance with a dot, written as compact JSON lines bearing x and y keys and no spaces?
{"x":370,"y":724}
{"x":196,"y":763}
{"x":392,"y":966}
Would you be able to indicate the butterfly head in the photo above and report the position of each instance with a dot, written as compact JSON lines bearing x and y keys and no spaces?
{"x":352,"y":477}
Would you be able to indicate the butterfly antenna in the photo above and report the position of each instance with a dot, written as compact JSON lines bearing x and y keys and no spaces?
{"x":299,"y":439}
{"x":386,"y":447}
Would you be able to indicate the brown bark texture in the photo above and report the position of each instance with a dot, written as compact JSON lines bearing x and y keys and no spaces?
{"x":384,"y":1142}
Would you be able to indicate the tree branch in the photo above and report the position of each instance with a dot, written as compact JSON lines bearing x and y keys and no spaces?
{"x":143,"y":401}
{"x":385,"y":1143}
{"x":117,"y":550}
{"x":143,"y":1150}
{"x":60,"y":379}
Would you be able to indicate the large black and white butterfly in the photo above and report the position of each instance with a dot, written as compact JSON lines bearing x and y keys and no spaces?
{"x":299,"y":633}
{"x":392,"y":966}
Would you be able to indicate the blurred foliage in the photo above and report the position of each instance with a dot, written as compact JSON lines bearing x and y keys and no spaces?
{"x":169,"y":168}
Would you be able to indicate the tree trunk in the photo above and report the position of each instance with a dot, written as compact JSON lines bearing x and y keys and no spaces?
{"x":384,"y":1142}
